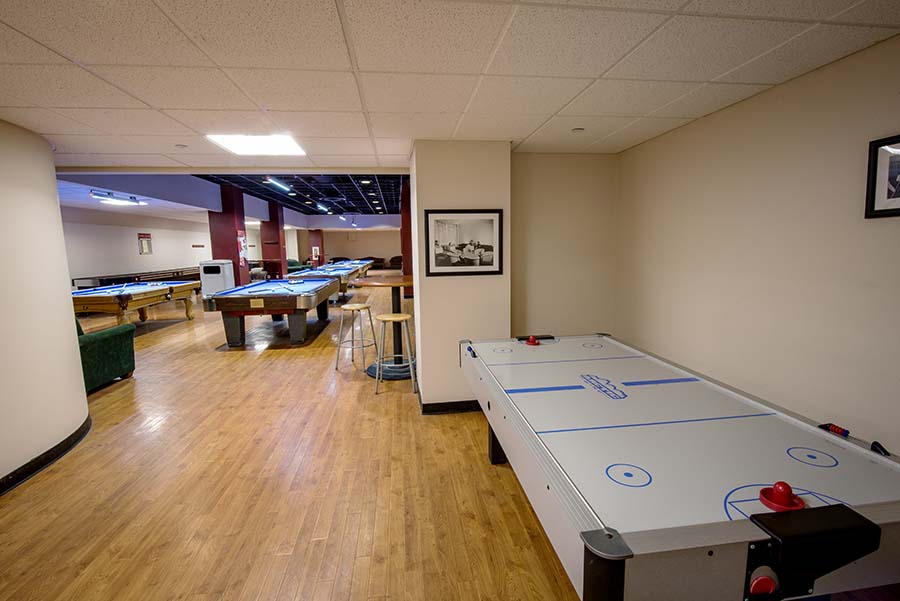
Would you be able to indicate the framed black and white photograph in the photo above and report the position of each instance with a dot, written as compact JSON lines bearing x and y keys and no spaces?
{"x":883,"y":190}
{"x":464,"y":242}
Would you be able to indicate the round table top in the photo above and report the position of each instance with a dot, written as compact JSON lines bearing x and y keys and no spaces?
{"x":383,"y":281}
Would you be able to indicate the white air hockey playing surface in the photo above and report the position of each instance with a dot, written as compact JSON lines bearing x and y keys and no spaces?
{"x":650,"y":447}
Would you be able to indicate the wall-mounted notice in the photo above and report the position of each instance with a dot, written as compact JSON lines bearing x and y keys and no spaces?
{"x":145,"y":244}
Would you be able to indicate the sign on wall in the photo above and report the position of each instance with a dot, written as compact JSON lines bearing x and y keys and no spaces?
{"x":145,"y":244}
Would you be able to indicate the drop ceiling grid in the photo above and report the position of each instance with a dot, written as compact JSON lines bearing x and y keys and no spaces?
{"x":107,"y":83}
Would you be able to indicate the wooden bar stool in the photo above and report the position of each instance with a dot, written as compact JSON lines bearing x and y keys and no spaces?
{"x":355,"y":309}
{"x":403,"y":319}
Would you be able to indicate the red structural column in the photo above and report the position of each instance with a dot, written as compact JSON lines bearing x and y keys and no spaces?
{"x":274,"y":250}
{"x":316,"y":239}
{"x":406,"y":236}
{"x":228,"y":234}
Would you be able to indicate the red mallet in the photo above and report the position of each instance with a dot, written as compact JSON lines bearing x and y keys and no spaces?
{"x":781,"y":497}
{"x":532,"y":341}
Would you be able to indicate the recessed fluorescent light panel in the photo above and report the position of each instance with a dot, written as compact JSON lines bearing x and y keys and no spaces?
{"x":108,"y":198}
{"x":274,"y":145}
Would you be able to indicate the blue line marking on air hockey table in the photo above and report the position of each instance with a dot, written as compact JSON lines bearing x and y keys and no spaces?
{"x":664,"y":381}
{"x":566,"y":360}
{"x":640,"y":425}
{"x":543,"y":389}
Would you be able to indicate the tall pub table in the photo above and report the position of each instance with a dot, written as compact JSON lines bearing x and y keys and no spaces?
{"x":399,"y":370}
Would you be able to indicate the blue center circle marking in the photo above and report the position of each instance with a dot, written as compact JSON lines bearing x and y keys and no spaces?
{"x":626,"y":474}
{"x":813,"y":457}
{"x":592,"y":345}
{"x":503,"y":349}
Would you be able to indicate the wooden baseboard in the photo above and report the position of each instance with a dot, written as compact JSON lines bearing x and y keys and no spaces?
{"x":448,"y":407}
{"x":17,"y":476}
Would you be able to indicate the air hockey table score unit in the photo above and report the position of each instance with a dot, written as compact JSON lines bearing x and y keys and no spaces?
{"x":650,"y":480}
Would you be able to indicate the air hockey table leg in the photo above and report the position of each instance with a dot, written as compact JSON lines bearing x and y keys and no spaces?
{"x":297,"y":326}
{"x":495,"y":450}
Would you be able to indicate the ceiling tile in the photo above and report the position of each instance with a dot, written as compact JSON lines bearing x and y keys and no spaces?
{"x":178,"y":87}
{"x":625,"y":97}
{"x":287,"y":162}
{"x":557,"y":135}
{"x":366,"y":160}
{"x":337,"y":145}
{"x":524,"y":95}
{"x":62,"y":86}
{"x":818,"y":46}
{"x":393,"y":145}
{"x":873,"y":12}
{"x":277,"y":90}
{"x":499,"y":126}
{"x":322,"y":124}
{"x":78,"y":144}
{"x":17,"y":48}
{"x":637,"y":132}
{"x":132,"y":32}
{"x":167,"y":145}
{"x":709,"y":98}
{"x":776,"y":9}
{"x":43,"y":121}
{"x":7,"y":99}
{"x":400,"y":93}
{"x":411,"y":35}
{"x":148,"y":160}
{"x":394,"y":160}
{"x":87,"y":160}
{"x":564,"y":41}
{"x":213,"y":160}
{"x":415,"y":126}
{"x":294,"y":34}
{"x":126,"y":121}
{"x":702,"y":48}
{"x":225,"y":122}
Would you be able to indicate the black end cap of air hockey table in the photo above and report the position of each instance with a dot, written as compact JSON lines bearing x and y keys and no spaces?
{"x":807,"y":544}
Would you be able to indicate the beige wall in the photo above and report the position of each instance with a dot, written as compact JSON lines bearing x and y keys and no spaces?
{"x":102,"y":243}
{"x":42,"y":398}
{"x":377,"y":243}
{"x":563,"y":251}
{"x":743,"y":252}
{"x":254,"y":243}
{"x":457,"y":175}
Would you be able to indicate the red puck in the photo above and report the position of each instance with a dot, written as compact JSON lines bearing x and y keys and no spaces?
{"x":532,"y":341}
{"x":781,"y":497}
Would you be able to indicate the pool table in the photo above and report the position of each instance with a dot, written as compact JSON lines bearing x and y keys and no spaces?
{"x":364,"y":265}
{"x":138,"y":296}
{"x":277,"y":298}
{"x":343,"y":273}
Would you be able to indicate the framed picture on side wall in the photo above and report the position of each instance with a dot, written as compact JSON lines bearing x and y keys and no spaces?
{"x":883,"y":189}
{"x":464,"y":242}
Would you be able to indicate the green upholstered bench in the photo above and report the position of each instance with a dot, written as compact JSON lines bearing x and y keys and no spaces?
{"x":106,"y":355}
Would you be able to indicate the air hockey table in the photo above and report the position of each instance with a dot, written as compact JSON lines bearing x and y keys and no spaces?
{"x":294,"y":298}
{"x":653,"y":482}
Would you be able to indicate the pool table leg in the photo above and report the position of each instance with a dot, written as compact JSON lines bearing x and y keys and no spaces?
{"x":121,"y":318}
{"x":322,"y":310}
{"x":234,"y":330}
{"x":496,"y":455}
{"x":189,"y":308}
{"x":142,"y":313}
{"x":297,"y":326}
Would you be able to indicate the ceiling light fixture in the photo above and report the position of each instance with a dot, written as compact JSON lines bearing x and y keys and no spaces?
{"x":342,"y":218}
{"x":277,"y":184}
{"x":365,"y":181}
{"x":321,"y":208}
{"x":371,"y":194}
{"x":108,"y":198}
{"x":274,"y":145}
{"x":292,"y":194}
{"x":329,"y":212}
{"x":375,"y":201}
{"x":309,"y":202}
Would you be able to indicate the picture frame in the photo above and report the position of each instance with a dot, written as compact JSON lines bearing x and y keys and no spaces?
{"x":461,"y":242}
{"x":883,"y":182}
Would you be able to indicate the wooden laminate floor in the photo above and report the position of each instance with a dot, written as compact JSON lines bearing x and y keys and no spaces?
{"x":263,"y":474}
{"x":259,"y":474}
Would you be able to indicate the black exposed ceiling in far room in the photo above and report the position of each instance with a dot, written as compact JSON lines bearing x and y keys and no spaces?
{"x":340,"y":194}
